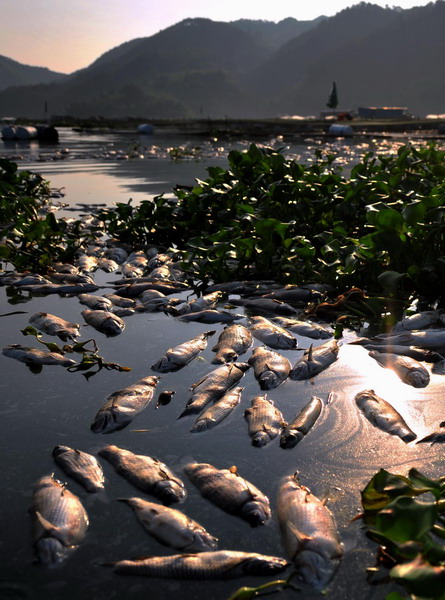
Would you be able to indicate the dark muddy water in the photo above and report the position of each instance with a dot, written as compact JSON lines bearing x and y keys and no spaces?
{"x":39,"y":411}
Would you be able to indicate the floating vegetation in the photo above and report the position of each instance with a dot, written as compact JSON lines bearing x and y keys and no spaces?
{"x":406,"y":517}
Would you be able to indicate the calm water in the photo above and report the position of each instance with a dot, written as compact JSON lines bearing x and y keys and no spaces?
{"x":336,"y":458}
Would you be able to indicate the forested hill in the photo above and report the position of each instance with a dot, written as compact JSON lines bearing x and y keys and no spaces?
{"x":202,"y":68}
{"x":14,"y":73}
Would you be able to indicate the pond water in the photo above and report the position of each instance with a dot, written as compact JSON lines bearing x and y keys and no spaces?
{"x":39,"y":411}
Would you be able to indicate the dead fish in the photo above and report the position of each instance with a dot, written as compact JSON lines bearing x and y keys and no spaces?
{"x":165,"y":398}
{"x":107,"y":265}
{"x":87,"y":264}
{"x":171,"y":527}
{"x":166,"y":273}
{"x":309,"y":533}
{"x":230,"y":492}
{"x":213,"y":385}
{"x":294,"y":294}
{"x":122,"y":312}
{"x":177,"y":357}
{"x":81,"y":466}
{"x":417,"y":353}
{"x":117,"y":254}
{"x":315,"y":360}
{"x":234,"y":340}
{"x":72,"y":278}
{"x":270,"y":368}
{"x":134,"y":290}
{"x":220,"y":564}
{"x":147,"y":473}
{"x":409,"y":370}
{"x":218,"y":411}
{"x":438,"y":437}
{"x":122,"y":406}
{"x":431,"y":339}
{"x":60,"y":521}
{"x":53,"y":325}
{"x":295,"y":431}
{"x":54,"y":288}
{"x":29,"y":280}
{"x":419,"y":320}
{"x":264,"y":419}
{"x":272,"y":335}
{"x":34,"y":356}
{"x":266,"y":305}
{"x":104,"y":321}
{"x":211,"y":315}
{"x":384,"y":416}
{"x":95,"y":302}
{"x":120,"y":302}
{"x":304,"y":328}
{"x":208,"y":301}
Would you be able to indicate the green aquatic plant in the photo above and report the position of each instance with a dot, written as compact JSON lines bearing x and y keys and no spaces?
{"x":405,"y":516}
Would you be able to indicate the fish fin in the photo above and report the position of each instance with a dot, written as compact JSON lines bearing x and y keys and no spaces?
{"x":331,"y":397}
{"x":77,"y":451}
{"x":53,"y":530}
{"x":234,"y":469}
{"x":301,"y":537}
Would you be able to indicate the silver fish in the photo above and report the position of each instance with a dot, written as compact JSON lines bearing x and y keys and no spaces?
{"x":309,"y":533}
{"x":315,"y":360}
{"x":295,"y":431}
{"x":272,"y":335}
{"x":122,"y":406}
{"x":134,"y":290}
{"x":417,"y":353}
{"x":117,"y":254}
{"x":435,"y":437}
{"x":147,"y":473}
{"x":86,"y":263}
{"x":34,"y":356}
{"x":53,"y":325}
{"x":266,"y":305}
{"x":207,"y":301}
{"x":384,"y":416}
{"x":95,"y":302}
{"x":409,"y":370}
{"x":171,"y":527}
{"x":234,"y":340}
{"x":218,"y":411}
{"x":60,"y":521}
{"x":211,"y":315}
{"x":304,"y":328}
{"x":104,"y":321}
{"x":107,"y":265}
{"x":294,"y":294}
{"x":230,"y":492}
{"x":81,"y":466}
{"x":264,"y":419}
{"x":54,"y":288}
{"x":29,"y":280}
{"x":120,"y":302}
{"x":213,"y":385}
{"x":431,"y":339}
{"x":180,"y":355}
{"x":220,"y":564}
{"x":72,"y":278}
{"x":419,"y":320}
{"x":270,"y":368}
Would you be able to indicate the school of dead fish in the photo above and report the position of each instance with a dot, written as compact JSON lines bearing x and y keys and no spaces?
{"x":150,"y":279}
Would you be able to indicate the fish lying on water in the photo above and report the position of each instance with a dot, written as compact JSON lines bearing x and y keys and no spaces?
{"x":295,"y":431}
{"x":384,"y":416}
{"x":409,"y":370}
{"x":180,"y":355}
{"x":81,"y":466}
{"x":304,"y":328}
{"x":213,"y":385}
{"x":309,"y":533}
{"x":264,"y":419}
{"x":431,"y":339}
{"x":208,"y":301}
{"x":269,"y":306}
{"x":53,"y":325}
{"x":35,"y":356}
{"x":234,"y":340}
{"x":210,"y":315}
{"x":122,"y":406}
{"x":104,"y":321}
{"x":95,"y":302}
{"x":420,"y":320}
{"x":147,"y":473}
{"x":272,"y":335}
{"x":315,"y":360}
{"x":230,"y":492}
{"x":220,"y":564}
{"x":294,"y":294}
{"x":218,"y":411}
{"x":270,"y":368}
{"x":171,"y":527}
{"x":60,"y":521}
{"x":63,"y":288}
{"x":412,"y":351}
{"x":435,"y":437}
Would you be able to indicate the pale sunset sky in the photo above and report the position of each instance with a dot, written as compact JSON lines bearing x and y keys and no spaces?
{"x":67,"y":35}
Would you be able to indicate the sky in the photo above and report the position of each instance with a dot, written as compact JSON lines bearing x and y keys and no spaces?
{"x":67,"y":35}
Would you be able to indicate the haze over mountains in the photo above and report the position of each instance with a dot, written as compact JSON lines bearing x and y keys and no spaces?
{"x":200,"y":68}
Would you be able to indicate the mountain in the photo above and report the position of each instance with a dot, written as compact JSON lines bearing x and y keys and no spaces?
{"x":199,"y":68}
{"x":274,"y":35}
{"x":14,"y":73}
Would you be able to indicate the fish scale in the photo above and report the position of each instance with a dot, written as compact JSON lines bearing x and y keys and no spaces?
{"x":264,"y":419}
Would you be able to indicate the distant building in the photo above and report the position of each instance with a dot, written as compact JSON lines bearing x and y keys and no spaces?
{"x":383,"y":112}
